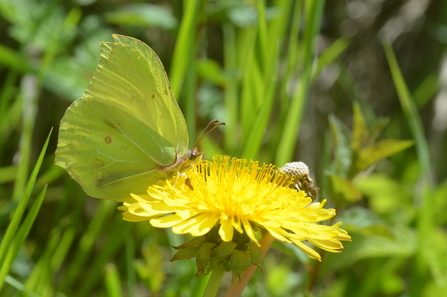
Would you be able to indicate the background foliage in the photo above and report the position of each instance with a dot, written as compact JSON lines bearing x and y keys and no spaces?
{"x":339,"y":85}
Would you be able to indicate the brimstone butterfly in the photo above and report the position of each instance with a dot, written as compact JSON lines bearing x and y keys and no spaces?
{"x":127,"y":131}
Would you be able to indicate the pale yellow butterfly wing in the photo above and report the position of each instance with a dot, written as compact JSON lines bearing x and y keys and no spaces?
{"x":127,"y":131}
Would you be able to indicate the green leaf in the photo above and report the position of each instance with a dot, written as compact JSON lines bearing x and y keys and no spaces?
{"x":376,"y":129}
{"x":9,"y":237}
{"x":402,"y":244}
{"x":7,"y":174}
{"x":435,"y":255}
{"x":342,"y":150}
{"x":360,"y":132}
{"x":378,"y":151}
{"x":13,"y":60}
{"x":329,"y":55}
{"x":144,"y":15}
{"x":386,"y":195}
{"x":211,"y":71}
{"x":342,"y":190}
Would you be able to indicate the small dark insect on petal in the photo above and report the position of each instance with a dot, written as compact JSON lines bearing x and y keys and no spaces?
{"x":189,"y":183}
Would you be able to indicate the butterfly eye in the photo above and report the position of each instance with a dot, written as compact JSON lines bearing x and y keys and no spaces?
{"x":195,"y":155}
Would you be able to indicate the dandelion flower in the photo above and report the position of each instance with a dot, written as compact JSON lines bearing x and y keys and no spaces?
{"x":237,"y":195}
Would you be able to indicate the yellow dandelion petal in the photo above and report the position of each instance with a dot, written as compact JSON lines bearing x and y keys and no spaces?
{"x":278,"y":234}
{"x":166,"y":221}
{"x":197,"y":225}
{"x":249,"y":230}
{"x":236,"y":194}
{"x":226,"y":229}
{"x":133,"y":218}
{"x":308,"y":250}
{"x":185,"y":213}
{"x":331,"y":245}
{"x":156,"y":208}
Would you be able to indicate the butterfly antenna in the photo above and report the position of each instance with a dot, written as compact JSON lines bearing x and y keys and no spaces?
{"x":208,"y":129}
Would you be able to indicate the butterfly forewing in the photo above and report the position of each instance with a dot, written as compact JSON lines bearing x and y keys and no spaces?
{"x":127,"y":126}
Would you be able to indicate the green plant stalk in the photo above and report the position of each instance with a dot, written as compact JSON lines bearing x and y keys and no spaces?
{"x":237,"y":287}
{"x":8,"y":123}
{"x":31,"y":87}
{"x":313,"y":12}
{"x":130,"y":260}
{"x":21,"y":235}
{"x":87,"y":241}
{"x":6,"y":96}
{"x":254,"y":139}
{"x":10,"y":233}
{"x":262,"y":37}
{"x":329,"y":55}
{"x":184,"y":48}
{"x":19,"y":286}
{"x":113,"y":244}
{"x":260,"y":81}
{"x":29,"y":95}
{"x":41,"y":279}
{"x":214,"y":282}
{"x":231,"y":86}
{"x":252,"y":86}
{"x":292,"y":56}
{"x":425,"y":219}
{"x":113,"y":283}
{"x":277,"y":36}
{"x":189,"y":91}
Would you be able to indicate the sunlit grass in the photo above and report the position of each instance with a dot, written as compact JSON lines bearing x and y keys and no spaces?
{"x":252,"y":65}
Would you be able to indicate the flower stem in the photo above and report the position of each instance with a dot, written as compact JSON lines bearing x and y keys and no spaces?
{"x":214,"y":283}
{"x":237,"y":287}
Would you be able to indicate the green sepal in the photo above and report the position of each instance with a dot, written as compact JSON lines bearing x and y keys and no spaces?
{"x":239,"y":262}
{"x":203,"y":257}
{"x":192,"y":243}
{"x":185,"y":254}
{"x":255,"y":253}
{"x":223,"y":250}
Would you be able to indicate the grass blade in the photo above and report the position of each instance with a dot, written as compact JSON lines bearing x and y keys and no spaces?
{"x":21,"y":235}
{"x":423,"y":192}
{"x":8,"y":238}
{"x":286,"y":146}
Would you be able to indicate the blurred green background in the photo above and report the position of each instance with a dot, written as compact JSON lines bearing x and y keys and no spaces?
{"x":356,"y":89}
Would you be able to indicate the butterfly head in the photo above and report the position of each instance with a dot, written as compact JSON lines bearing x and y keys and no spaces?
{"x":195,"y":157}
